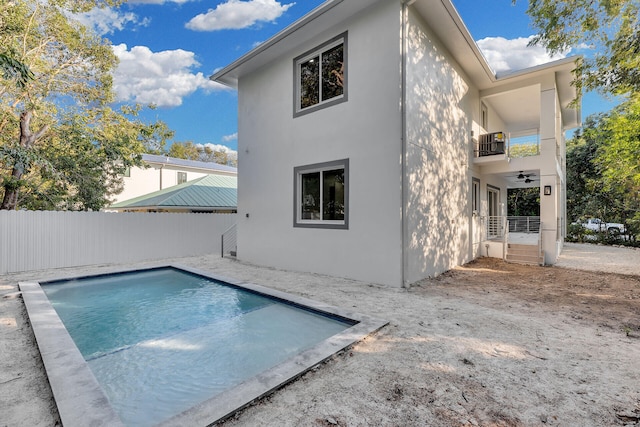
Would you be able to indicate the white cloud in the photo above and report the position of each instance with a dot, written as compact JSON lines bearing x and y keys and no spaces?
{"x":107,"y":20}
{"x":232,"y":137}
{"x":219,"y":147}
{"x":237,"y":14}
{"x":514,"y":54}
{"x":160,"y":78}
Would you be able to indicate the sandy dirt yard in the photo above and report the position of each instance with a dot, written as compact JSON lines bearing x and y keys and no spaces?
{"x":486,"y":344}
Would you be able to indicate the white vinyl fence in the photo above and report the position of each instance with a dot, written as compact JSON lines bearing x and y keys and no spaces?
{"x":37,"y":240}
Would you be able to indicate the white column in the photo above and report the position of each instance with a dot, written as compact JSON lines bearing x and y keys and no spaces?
{"x":549,"y":203}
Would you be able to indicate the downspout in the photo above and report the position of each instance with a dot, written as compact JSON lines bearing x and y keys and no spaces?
{"x":403,"y":113}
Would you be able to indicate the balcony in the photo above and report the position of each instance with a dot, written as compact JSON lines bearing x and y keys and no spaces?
{"x":502,"y":146}
{"x":491,"y":144}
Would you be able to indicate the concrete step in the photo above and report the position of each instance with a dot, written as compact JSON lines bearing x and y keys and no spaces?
{"x":521,"y":246}
{"x":524,"y":254}
{"x":525,"y":259}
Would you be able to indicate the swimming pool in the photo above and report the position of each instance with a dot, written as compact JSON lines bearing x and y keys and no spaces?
{"x":178,"y":346}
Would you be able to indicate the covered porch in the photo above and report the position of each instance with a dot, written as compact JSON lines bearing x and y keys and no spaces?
{"x":520,"y":144}
{"x":515,"y":239}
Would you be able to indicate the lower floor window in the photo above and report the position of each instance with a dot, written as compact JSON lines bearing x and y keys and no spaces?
{"x":321,"y":195}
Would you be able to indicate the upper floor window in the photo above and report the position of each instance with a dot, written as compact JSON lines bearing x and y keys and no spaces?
{"x":182,"y":177}
{"x":321,"y":76}
{"x":484,"y":111}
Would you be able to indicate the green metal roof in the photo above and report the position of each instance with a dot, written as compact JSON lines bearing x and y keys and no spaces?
{"x":211,"y":191}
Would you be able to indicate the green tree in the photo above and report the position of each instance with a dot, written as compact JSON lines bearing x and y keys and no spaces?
{"x":603,"y":167}
{"x":612,"y":27}
{"x":184,"y":150}
{"x":189,"y":151}
{"x":87,"y":156}
{"x":619,"y":158}
{"x":15,"y":70}
{"x":523,"y":201}
{"x":523,"y":150}
{"x":584,"y":194}
{"x":67,"y":95}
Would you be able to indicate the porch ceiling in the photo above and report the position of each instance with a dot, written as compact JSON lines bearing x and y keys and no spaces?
{"x":519,"y":109}
{"x":518,"y":179}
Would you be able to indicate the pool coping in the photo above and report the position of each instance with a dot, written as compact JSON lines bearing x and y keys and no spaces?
{"x":81,"y":400}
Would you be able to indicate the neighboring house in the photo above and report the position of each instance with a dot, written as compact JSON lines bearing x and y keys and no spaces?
{"x":375,"y":143}
{"x":208,"y":194}
{"x":162,"y":172}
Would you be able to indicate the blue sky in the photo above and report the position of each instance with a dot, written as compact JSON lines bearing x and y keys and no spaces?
{"x":169,"y":48}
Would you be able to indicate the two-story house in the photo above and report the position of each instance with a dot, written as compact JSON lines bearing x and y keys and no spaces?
{"x":375,"y":143}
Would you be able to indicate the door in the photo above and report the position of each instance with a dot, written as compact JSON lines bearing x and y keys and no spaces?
{"x":493,"y":212}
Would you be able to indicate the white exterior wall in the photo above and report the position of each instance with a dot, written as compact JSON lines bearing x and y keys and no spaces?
{"x":551,"y":206}
{"x":156,"y":177}
{"x":366,"y":129}
{"x":440,"y":111}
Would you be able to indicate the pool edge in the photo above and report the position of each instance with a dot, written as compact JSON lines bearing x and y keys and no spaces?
{"x":224,"y":405}
{"x":78,"y":395}
{"x":81,"y":400}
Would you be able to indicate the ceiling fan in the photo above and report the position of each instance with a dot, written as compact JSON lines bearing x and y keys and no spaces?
{"x":525,"y":176}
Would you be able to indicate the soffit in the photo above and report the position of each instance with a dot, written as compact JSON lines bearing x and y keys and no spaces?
{"x":519,"y":108}
{"x":562,"y":73}
{"x":306,"y":28}
{"x":443,"y":19}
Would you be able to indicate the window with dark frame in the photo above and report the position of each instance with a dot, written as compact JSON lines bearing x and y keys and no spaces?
{"x":485,"y":116}
{"x":475,"y":196}
{"x":321,"y":76}
{"x":321,"y":195}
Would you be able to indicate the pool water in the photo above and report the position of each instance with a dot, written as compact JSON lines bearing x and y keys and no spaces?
{"x":161,"y":341}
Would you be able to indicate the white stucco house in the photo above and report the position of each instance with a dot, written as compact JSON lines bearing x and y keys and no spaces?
{"x":375,"y":143}
{"x":162,"y":172}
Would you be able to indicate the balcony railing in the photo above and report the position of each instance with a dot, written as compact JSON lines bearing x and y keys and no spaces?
{"x":499,"y":226}
{"x":490,"y":144}
{"x":524,"y":224}
{"x":513,"y":145}
{"x":496,"y":226}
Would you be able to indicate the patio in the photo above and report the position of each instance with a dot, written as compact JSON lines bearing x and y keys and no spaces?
{"x":484,"y":343}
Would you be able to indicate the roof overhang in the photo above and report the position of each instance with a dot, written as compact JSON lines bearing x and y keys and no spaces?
{"x":444,"y":20}
{"x":441,"y":17}
{"x":313,"y":23}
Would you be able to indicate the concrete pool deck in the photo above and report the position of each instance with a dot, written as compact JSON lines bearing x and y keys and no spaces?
{"x":486,"y":344}
{"x":81,"y":401}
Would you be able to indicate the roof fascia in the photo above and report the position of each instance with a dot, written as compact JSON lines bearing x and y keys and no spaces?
{"x":177,"y":163}
{"x":226,"y":76}
{"x":567,"y":63}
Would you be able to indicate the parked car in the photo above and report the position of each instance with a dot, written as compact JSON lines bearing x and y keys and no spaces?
{"x":600,"y":226}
